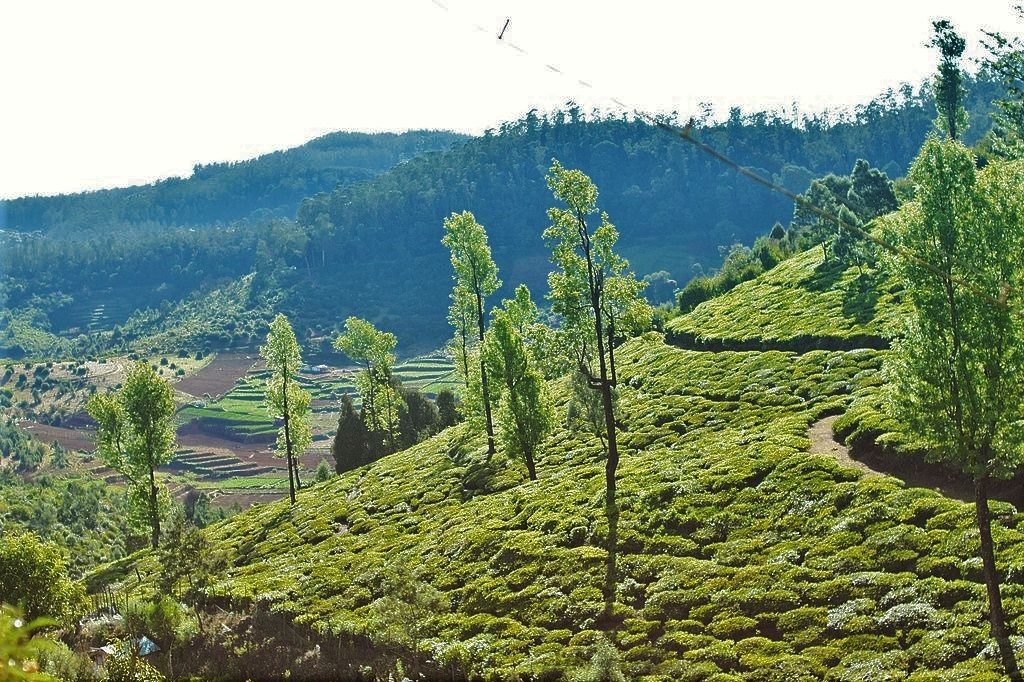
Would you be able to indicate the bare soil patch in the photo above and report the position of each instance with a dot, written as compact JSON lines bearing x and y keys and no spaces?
{"x":219,"y":376}
{"x":824,"y":443}
{"x":72,"y":439}
{"x":195,"y":436}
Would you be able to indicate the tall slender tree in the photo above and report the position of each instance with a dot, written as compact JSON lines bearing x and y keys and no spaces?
{"x":957,"y":375}
{"x":461,"y":318}
{"x":476,"y":278}
{"x":135,"y":434}
{"x":381,"y":402}
{"x":949,"y":82}
{"x":286,"y":399}
{"x":593,"y":291}
{"x":525,"y":414}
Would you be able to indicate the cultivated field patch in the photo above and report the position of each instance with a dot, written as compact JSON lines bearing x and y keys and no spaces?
{"x":219,"y":376}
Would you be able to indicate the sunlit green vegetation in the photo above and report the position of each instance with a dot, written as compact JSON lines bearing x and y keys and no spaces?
{"x":803,"y":300}
{"x":738,"y":551}
{"x":181,"y":274}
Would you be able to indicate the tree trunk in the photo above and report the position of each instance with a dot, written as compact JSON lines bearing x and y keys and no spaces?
{"x":612,"y":463}
{"x":604,"y":384}
{"x":531,"y":466}
{"x":483,"y":379}
{"x":391,"y":416}
{"x":154,"y":510}
{"x":996,"y":616}
{"x":611,"y":352}
{"x":288,"y":440}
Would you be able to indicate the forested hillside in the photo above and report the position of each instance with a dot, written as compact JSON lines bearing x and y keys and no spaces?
{"x":373,"y":248}
{"x":267,"y":186}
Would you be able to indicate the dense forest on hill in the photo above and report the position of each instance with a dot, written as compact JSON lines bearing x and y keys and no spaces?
{"x":269,"y":185}
{"x":358,"y":249}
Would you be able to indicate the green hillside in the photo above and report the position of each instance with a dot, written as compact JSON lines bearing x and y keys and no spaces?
{"x":740,"y":555}
{"x":803,"y":302}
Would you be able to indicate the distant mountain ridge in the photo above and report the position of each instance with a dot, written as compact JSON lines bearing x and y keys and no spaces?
{"x":270,"y":185}
{"x":371,"y":247}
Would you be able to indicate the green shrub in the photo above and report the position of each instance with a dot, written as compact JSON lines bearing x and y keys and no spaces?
{"x":722,"y":654}
{"x":735,"y":627}
{"x":760,"y":653}
{"x":604,"y":664}
{"x":803,"y":626}
{"x":124,"y":665}
{"x":939,"y":649}
{"x":62,"y":663}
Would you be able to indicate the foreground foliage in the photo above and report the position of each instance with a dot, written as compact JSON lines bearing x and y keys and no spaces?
{"x":33,"y":576}
{"x":957,"y":374}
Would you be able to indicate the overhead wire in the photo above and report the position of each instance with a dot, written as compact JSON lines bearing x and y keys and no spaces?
{"x":686,"y":134}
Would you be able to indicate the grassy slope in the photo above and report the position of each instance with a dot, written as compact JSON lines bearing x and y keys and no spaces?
{"x":801,"y":298}
{"x":741,"y":556}
{"x":739,"y":552}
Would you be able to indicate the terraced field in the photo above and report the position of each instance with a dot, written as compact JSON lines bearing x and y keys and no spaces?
{"x":101,"y":309}
{"x":239,"y":415}
{"x":226,"y":435}
{"x":430,"y":374}
{"x":214,"y":465}
{"x":229,"y":441}
{"x":218,"y":376}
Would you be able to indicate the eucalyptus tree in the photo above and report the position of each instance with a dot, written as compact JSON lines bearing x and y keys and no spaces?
{"x":957,"y":375}
{"x":476,"y":278}
{"x":525,"y":412}
{"x":381,"y":402}
{"x":461,"y":318}
{"x":286,"y":399}
{"x":949,"y":82}
{"x":135,"y":435}
{"x":593,"y":291}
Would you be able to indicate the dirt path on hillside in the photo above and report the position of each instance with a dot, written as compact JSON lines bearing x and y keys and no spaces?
{"x":824,"y":443}
{"x":913,"y":472}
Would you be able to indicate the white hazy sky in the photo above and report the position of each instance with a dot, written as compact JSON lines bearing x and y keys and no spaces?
{"x":101,"y":94}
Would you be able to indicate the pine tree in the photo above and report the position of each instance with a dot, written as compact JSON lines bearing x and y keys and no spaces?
{"x":350,"y":447}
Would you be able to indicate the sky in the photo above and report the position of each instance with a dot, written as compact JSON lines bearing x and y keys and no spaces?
{"x":104,"y":93}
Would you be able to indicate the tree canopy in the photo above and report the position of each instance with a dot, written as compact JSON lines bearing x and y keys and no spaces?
{"x":286,"y":399}
{"x":135,"y":435}
{"x":957,"y":374}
